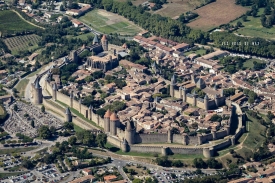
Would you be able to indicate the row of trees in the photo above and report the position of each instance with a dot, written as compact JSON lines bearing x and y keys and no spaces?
{"x":255,"y":46}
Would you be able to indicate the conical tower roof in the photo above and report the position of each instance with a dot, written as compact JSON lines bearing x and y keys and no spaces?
{"x":108,"y":114}
{"x":67,"y":111}
{"x":124,"y":46}
{"x":54,"y":87}
{"x":114,"y":117}
{"x":37,"y":85}
{"x":90,"y":107}
{"x":104,"y":38}
{"x":173,"y":80}
{"x":95,"y":40}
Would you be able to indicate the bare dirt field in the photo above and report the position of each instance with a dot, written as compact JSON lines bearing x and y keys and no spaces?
{"x":217,"y":13}
{"x":177,"y":7}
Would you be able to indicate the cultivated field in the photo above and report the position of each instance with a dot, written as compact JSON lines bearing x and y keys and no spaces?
{"x":20,"y":43}
{"x":11,"y":23}
{"x":175,"y":8}
{"x":216,"y":14}
{"x":253,"y":27}
{"x":107,"y":22}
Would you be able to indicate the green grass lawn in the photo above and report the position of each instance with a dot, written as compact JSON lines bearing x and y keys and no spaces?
{"x":10,"y":22}
{"x":3,"y":175}
{"x":200,"y":51}
{"x":151,"y":155}
{"x":82,"y":36}
{"x":16,"y":150}
{"x":253,"y":27}
{"x":256,"y":134}
{"x":1,"y":110}
{"x":249,"y":63}
{"x":245,"y":152}
{"x":79,"y":114}
{"x":108,"y":23}
{"x":78,"y":128}
{"x":21,"y":86}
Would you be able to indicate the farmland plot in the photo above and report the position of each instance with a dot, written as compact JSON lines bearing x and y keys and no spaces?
{"x":216,"y":14}
{"x":21,"y":43}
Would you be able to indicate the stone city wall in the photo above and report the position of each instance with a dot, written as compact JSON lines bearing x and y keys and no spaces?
{"x":151,"y":138}
{"x":221,"y":134}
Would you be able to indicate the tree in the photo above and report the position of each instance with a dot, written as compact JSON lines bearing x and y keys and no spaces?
{"x":137,"y":181}
{"x":62,"y":8}
{"x":177,"y":163}
{"x":43,"y":108}
{"x":15,"y":107}
{"x":101,"y":112}
{"x":53,"y":129}
{"x":101,"y":140}
{"x":213,"y":163}
{"x":44,"y":132}
{"x":68,"y":125}
{"x":270,"y":115}
{"x":72,"y":140}
{"x":27,"y":164}
{"x":239,"y":24}
{"x":199,"y":163}
{"x":244,"y":18}
{"x":32,"y":123}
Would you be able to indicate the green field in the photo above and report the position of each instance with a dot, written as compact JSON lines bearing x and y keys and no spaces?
{"x":82,"y":36}
{"x":2,"y":111}
{"x":22,"y":43}
{"x":3,"y":175}
{"x":249,"y":63}
{"x":256,"y":135}
{"x":78,"y":129}
{"x":79,"y":114}
{"x":16,"y":150}
{"x":10,"y":22}
{"x":199,"y":52}
{"x":253,"y":27}
{"x":108,"y":23}
{"x":21,"y":86}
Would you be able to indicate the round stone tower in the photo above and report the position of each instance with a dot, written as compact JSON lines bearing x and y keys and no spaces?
{"x":180,"y":90}
{"x":80,"y":103}
{"x":37,"y":97}
{"x":169,"y":134}
{"x":206,"y":102}
{"x":90,"y":112}
{"x":208,"y":152}
{"x":195,"y":98}
{"x":214,"y":134}
{"x":172,"y":86}
{"x":124,"y":146}
{"x":130,"y":132}
{"x":71,"y":99}
{"x":184,"y":94}
{"x":217,"y":100}
{"x":113,"y":124}
{"x":164,"y":151}
{"x":74,"y":56}
{"x":54,"y":91}
{"x":104,"y":42}
{"x":68,"y":116}
{"x":107,"y":120}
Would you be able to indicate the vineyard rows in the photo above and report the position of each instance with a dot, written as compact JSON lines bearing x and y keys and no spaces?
{"x":19,"y":43}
